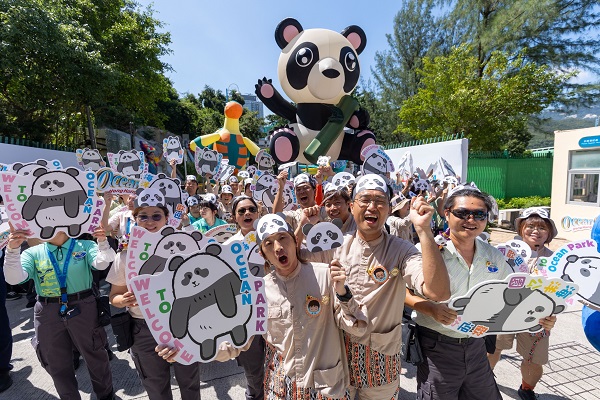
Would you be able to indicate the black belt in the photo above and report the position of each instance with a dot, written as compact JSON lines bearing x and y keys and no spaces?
{"x":430,"y":333}
{"x":70,"y":297}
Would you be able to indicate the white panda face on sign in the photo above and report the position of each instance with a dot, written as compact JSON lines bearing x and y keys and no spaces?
{"x":243,"y":175}
{"x":323,"y":161}
{"x":168,"y":187}
{"x":420,"y":185}
{"x":208,"y":161}
{"x":150,"y":198}
{"x":92,"y":159}
{"x":265,"y":161}
{"x":129,"y":163}
{"x":192,"y":201}
{"x":585,"y":272}
{"x":375,"y":164}
{"x":26,"y":169}
{"x":175,"y":242}
{"x":342,"y":179}
{"x":529,"y":311}
{"x":318,"y":65}
{"x":251,"y":170}
{"x":520,"y":247}
{"x":451,"y":180}
{"x":369,"y":182}
{"x":266,"y":181}
{"x":323,"y":236}
{"x":173,"y":144}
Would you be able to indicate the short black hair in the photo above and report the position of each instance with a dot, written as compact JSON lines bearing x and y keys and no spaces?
{"x":469,"y":193}
{"x":209,"y":204}
{"x":239,"y":199}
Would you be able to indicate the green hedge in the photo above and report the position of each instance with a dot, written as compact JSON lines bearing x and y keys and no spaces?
{"x":523,"y":202}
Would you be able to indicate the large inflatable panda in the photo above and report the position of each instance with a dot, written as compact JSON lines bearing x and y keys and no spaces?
{"x":316,"y":69}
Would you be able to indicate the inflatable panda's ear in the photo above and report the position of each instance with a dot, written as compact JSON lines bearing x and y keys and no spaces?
{"x":167,"y":231}
{"x":337,"y":222}
{"x":39,"y":172}
{"x":175,"y":263}
{"x":306,"y":228}
{"x":72,"y":171}
{"x":356,"y":36}
{"x":213,"y":249}
{"x":286,"y":31}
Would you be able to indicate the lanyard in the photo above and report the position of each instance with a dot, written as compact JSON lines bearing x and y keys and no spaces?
{"x":61,"y":275}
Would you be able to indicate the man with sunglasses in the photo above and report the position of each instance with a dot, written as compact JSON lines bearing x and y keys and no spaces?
{"x":378,"y":267}
{"x":456,"y":366}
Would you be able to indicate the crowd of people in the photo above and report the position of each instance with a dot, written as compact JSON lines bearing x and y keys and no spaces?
{"x":335,"y":317}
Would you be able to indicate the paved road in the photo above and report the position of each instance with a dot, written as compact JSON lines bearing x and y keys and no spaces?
{"x":572,"y":373}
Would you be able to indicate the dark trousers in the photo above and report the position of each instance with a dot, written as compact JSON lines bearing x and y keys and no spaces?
{"x":6,"y":341}
{"x":55,"y":339}
{"x":455,"y":371}
{"x":253,"y":362}
{"x":155,"y":372}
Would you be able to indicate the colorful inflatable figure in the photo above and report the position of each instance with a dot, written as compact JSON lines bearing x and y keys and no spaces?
{"x":151,"y":157}
{"x":228,"y":140}
{"x":318,"y":69}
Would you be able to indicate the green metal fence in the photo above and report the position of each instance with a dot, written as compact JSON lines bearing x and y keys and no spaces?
{"x":511,"y":177}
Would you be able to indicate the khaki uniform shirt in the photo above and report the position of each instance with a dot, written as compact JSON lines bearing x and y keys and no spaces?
{"x":308,"y":341}
{"x":463,"y":278}
{"x":400,"y":227}
{"x":384,"y":301}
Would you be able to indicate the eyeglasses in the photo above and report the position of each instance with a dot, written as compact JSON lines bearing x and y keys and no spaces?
{"x":155,"y":217}
{"x":463,"y":213}
{"x":366,"y":201}
{"x":532,"y":228}
{"x":242,"y":211}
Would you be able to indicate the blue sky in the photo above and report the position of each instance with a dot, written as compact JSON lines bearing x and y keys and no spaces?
{"x":227,"y":43}
{"x":219,"y":43}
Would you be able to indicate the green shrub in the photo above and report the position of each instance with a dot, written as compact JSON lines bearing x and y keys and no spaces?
{"x":523,"y":202}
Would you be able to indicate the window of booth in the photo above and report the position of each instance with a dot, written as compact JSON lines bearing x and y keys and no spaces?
{"x":584,"y":178}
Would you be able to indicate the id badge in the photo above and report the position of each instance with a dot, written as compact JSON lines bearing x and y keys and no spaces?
{"x":71,"y":312}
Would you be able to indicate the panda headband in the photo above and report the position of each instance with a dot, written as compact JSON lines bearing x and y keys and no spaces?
{"x":370,"y":182}
{"x":466,"y":186}
{"x":270,"y":224}
{"x":305,"y":178}
{"x":149,"y":198}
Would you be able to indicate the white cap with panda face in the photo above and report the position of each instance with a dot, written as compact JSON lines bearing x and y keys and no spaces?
{"x":371,"y":182}
{"x":270,"y":224}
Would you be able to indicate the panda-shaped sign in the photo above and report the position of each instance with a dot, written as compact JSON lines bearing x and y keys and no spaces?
{"x":323,"y":236}
{"x":317,"y":68}
{"x":207,"y":161}
{"x":90,"y":159}
{"x":172,"y":149}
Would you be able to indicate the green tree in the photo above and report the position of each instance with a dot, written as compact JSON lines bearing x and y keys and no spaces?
{"x":557,"y":33}
{"x":492,"y":110}
{"x":59,"y":57}
{"x":251,"y":125}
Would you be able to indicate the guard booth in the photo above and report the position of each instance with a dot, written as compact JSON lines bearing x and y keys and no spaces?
{"x":576,"y":182}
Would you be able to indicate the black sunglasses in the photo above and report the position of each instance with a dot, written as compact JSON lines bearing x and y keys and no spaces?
{"x":242,"y":211}
{"x":155,"y":217}
{"x":463,"y":213}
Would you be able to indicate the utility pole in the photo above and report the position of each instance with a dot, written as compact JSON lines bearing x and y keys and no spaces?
{"x":132,"y":132}
{"x":88,"y":113}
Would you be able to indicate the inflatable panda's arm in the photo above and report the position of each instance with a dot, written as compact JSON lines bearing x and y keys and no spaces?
{"x":273,"y":100}
{"x":360,"y":119}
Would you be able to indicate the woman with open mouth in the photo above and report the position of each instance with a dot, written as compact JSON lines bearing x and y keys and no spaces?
{"x":153,"y":371}
{"x":305,"y":355}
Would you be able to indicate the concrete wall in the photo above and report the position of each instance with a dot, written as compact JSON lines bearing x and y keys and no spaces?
{"x":573,"y":221}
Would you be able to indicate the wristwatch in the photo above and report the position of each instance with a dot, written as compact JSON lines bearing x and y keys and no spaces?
{"x":346,"y":297}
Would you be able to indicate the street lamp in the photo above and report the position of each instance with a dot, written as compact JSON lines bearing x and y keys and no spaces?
{"x":228,"y":89}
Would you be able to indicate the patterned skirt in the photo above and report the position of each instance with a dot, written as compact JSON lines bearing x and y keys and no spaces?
{"x":279,"y":386}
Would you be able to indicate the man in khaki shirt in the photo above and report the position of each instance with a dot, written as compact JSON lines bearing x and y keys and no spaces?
{"x":378,"y":269}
